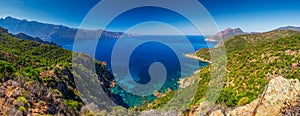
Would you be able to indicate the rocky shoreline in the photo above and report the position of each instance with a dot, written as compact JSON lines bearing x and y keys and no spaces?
{"x":192,"y":56}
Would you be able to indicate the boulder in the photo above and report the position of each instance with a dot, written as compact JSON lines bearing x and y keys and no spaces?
{"x":217,"y":113}
{"x":280,"y":93}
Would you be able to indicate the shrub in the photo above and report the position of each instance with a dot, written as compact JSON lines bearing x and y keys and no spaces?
{"x":22,"y":100}
{"x":6,"y":68}
{"x":73,"y":104}
{"x":22,"y":108}
{"x":243,"y":101}
{"x":57,"y":92}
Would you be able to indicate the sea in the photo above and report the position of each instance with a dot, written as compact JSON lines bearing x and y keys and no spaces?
{"x":137,"y":54}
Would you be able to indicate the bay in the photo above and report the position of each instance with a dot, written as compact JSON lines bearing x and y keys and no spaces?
{"x":155,"y":49}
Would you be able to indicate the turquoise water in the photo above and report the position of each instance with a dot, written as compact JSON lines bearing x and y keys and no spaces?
{"x":141,"y":59}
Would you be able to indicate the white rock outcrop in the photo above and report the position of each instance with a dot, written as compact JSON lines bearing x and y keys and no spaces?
{"x":280,"y":94}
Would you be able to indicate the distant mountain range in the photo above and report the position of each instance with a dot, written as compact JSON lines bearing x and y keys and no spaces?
{"x":226,"y":34}
{"x":26,"y":37}
{"x":36,"y":39}
{"x":229,"y":32}
{"x":50,"y":32}
{"x":293,"y":28}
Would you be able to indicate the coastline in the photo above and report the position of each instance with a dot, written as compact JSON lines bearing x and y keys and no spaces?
{"x":187,"y":81}
{"x":192,"y":56}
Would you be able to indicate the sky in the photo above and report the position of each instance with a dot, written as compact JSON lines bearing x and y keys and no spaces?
{"x":249,"y":15}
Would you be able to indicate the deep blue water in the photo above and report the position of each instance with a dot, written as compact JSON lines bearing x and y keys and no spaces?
{"x":174,"y":61}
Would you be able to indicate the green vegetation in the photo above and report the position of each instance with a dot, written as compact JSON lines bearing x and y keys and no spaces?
{"x":32,"y":64}
{"x":203,"y":53}
{"x":156,"y":103}
{"x":22,"y":108}
{"x":252,"y":60}
{"x":243,"y":101}
{"x":22,"y":100}
{"x":73,"y":104}
{"x":6,"y":69}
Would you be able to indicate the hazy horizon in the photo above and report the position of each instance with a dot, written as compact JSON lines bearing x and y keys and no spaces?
{"x":250,"y":16}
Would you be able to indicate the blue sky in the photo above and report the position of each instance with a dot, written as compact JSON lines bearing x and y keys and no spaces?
{"x":250,"y":15}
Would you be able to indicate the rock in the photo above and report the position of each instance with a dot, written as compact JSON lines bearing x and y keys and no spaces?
{"x":202,"y":109}
{"x":217,"y":113}
{"x":295,"y":65}
{"x":13,"y":83}
{"x":280,"y":93}
{"x":281,"y":97}
{"x":41,"y":100}
{"x":2,"y":92}
{"x":89,"y":107}
{"x":9,"y":100}
{"x":160,"y":113}
{"x":17,"y":92}
{"x":14,"y":112}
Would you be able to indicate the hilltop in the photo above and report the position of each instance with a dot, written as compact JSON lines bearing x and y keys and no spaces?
{"x":226,"y":34}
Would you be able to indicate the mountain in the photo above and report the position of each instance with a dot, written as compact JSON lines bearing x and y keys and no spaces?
{"x":227,"y":33}
{"x":26,"y":37}
{"x":289,"y":28}
{"x":50,"y":32}
{"x":36,"y":39}
{"x":38,"y":78}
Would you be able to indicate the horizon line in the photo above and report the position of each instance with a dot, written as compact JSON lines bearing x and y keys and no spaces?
{"x":94,"y":29}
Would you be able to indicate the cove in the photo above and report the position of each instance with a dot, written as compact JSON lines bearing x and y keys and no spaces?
{"x":141,"y":59}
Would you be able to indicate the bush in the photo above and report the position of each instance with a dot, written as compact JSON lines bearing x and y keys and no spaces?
{"x":57,"y":92}
{"x":6,"y":68}
{"x":22,"y":108}
{"x":73,"y":104}
{"x":243,"y":101}
{"x":22,"y":100}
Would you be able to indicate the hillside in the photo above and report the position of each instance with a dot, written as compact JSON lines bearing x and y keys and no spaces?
{"x":36,"y":39}
{"x":37,"y":78}
{"x":252,"y":61}
{"x":243,"y":41}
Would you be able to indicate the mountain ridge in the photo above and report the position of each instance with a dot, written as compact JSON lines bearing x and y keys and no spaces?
{"x":51,"y":32}
{"x":225,"y":34}
{"x":293,"y":28}
{"x":231,"y":32}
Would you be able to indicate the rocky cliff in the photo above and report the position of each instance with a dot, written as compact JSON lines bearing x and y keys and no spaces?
{"x":225,"y":34}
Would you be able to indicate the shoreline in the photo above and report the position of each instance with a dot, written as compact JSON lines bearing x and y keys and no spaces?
{"x":192,"y":56}
{"x":187,"y":81}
